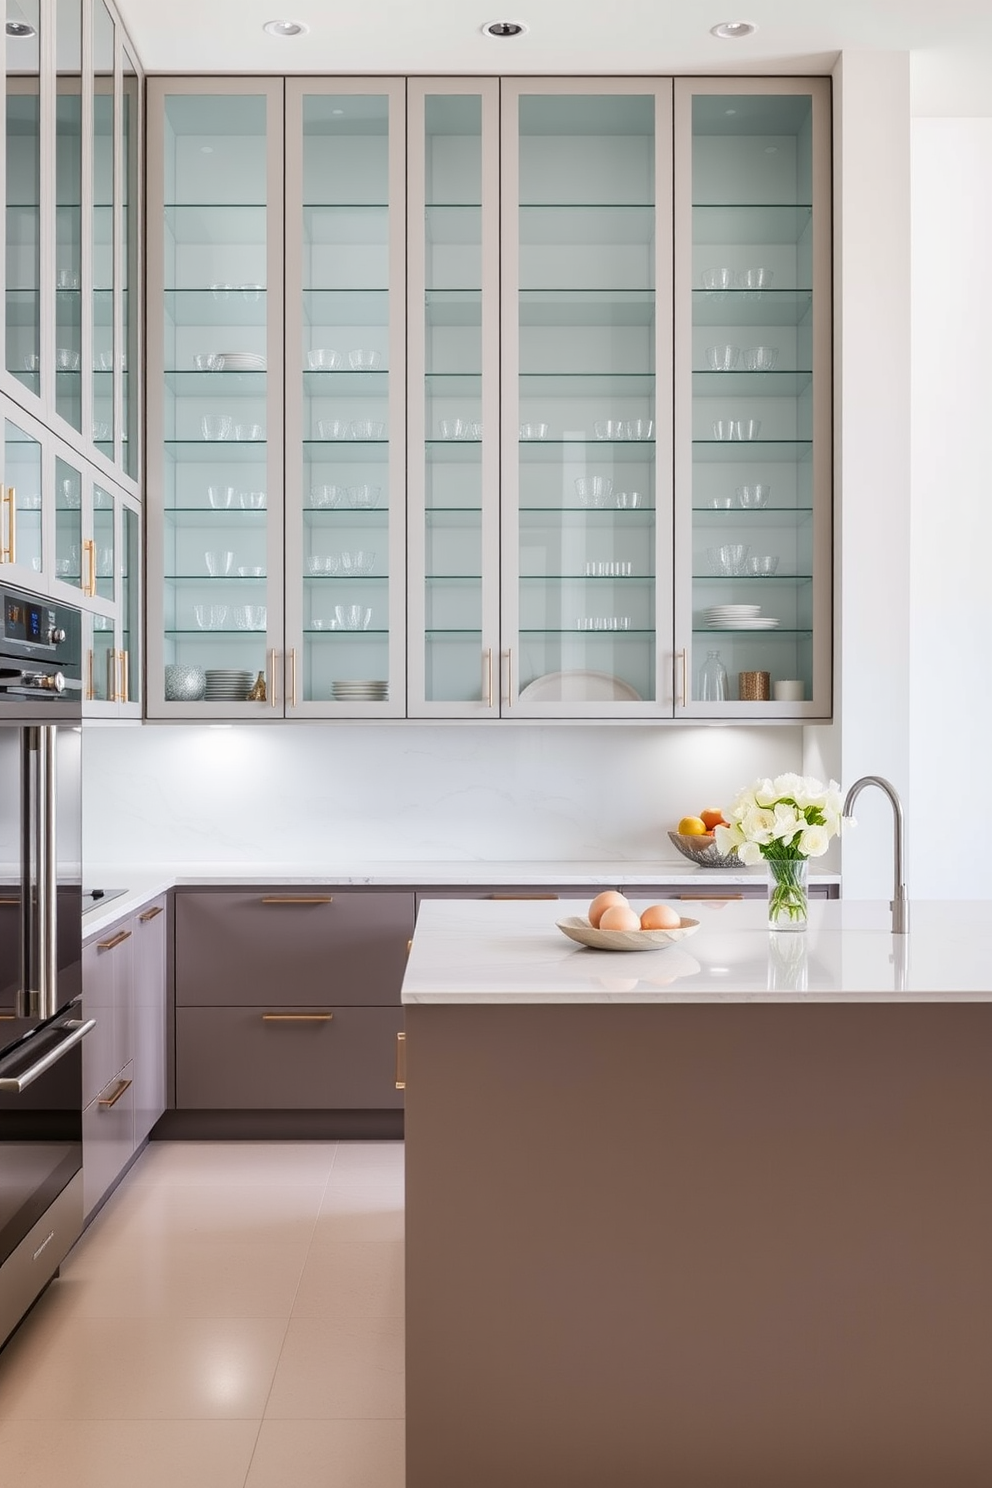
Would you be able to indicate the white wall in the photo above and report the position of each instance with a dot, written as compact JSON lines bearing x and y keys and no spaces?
{"x":951,"y":508}
{"x":333,"y":794}
{"x":870,"y":735}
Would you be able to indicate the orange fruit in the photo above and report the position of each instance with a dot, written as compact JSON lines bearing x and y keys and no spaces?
{"x":712,"y":818}
{"x":692,"y":826}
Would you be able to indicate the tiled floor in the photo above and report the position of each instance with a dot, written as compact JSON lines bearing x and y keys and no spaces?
{"x":232,"y":1319}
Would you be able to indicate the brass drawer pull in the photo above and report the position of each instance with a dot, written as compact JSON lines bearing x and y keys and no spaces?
{"x":401,"y":1061}
{"x":297,"y":1017}
{"x":523,"y":896}
{"x":149,"y":914}
{"x":10,"y":901}
{"x":709,"y":898}
{"x":297,"y":898}
{"x":115,"y":940}
{"x":111,"y":1100}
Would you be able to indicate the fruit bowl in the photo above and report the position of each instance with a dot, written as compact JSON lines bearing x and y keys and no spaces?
{"x":578,"y":928}
{"x":704,"y":851}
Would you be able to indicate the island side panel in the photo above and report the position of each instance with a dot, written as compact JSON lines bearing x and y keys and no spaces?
{"x":699,"y":1246}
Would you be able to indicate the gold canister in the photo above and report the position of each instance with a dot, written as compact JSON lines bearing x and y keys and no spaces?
{"x":754,"y":687}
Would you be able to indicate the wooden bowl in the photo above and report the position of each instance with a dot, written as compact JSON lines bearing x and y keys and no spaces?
{"x":578,"y":928}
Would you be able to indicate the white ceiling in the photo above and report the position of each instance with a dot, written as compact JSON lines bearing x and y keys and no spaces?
{"x":951,"y":39}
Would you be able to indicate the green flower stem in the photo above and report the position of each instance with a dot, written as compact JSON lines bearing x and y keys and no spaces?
{"x":788,"y":899}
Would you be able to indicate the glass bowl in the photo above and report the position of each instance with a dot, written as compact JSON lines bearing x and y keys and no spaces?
{"x":704,"y":850}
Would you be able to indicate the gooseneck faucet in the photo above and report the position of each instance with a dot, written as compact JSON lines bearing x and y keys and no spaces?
{"x":900,"y":902}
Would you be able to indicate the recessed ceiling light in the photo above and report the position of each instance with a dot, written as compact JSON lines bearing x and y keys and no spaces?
{"x":285,"y":28}
{"x":20,"y":30}
{"x":504,"y":28}
{"x":732,"y":30}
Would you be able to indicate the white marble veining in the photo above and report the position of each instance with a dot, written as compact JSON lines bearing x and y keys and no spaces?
{"x":495,"y":952}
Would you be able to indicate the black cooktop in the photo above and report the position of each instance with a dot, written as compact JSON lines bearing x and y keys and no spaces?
{"x":93,"y":897}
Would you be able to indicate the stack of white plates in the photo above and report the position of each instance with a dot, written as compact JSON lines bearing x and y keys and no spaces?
{"x":226,"y":685}
{"x":738,"y":617}
{"x":360,"y":692}
{"x":241,"y":361}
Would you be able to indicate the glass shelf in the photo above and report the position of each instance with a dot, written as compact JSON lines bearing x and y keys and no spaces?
{"x":780,"y":632}
{"x":751,"y":451}
{"x":186,"y":384}
{"x":591,"y":384}
{"x":359,"y":306}
{"x":751,"y":307}
{"x":587,"y":307}
{"x":193,"y":308}
{"x":749,"y":223}
{"x":753,"y":513}
{"x":776,"y":578}
{"x":776,"y":384}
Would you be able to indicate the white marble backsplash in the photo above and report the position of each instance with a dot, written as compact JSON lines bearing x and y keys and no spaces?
{"x":309,"y":793}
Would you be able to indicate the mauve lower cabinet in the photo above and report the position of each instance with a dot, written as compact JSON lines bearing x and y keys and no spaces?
{"x":288,"y":1000}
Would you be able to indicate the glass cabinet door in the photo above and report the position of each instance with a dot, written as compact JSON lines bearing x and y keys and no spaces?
{"x":21,"y":525}
{"x":69,"y":212}
{"x":103,"y":265}
{"x":129,"y":573}
{"x":70,"y":549}
{"x":453,"y":239}
{"x":22,"y":277}
{"x":214,"y":426}
{"x":345,"y":404}
{"x":127,"y":360}
{"x":753,"y":398}
{"x":586,"y":427}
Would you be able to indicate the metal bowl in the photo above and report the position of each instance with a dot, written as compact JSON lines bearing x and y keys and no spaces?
{"x":704,"y":851}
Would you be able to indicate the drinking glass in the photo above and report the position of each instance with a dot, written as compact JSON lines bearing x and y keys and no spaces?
{"x":758,"y":278}
{"x":746,"y":428}
{"x":364,"y":496}
{"x":718,"y":279}
{"x":754,"y":496}
{"x":760,"y":564}
{"x":206,"y":361}
{"x":66,"y":360}
{"x":251,"y":500}
{"x":760,"y":358}
{"x":220,"y":497}
{"x":722,"y":358}
{"x":533,"y":431}
{"x":611,"y":429}
{"x":210,"y":617}
{"x":324,"y":360}
{"x":249,"y":571}
{"x":451,"y":428}
{"x":641,"y":428}
{"x":364,"y":361}
{"x":628,"y":500}
{"x":368,"y":429}
{"x":333,"y":429}
{"x":327,"y":495}
{"x":248,"y":431}
{"x":216,"y":425}
{"x":593,"y":490}
{"x":218,"y":563}
{"x":724,"y":429}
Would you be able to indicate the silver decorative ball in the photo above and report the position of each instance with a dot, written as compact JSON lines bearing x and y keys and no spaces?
{"x":184,"y":684}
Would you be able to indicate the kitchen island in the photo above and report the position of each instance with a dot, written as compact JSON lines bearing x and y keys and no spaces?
{"x":712,"y":1216}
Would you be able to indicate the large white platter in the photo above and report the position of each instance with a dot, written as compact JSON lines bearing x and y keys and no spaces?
{"x":579,"y":687}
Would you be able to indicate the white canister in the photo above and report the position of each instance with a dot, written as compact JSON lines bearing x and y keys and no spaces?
{"x":790,"y":691}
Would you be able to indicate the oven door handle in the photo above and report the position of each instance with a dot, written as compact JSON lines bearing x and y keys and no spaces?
{"x":14,"y":1084}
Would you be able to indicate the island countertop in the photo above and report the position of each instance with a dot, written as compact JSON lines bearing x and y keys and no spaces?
{"x":478,"y":952}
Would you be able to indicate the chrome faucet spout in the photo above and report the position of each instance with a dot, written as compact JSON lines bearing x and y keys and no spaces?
{"x":900,"y":901}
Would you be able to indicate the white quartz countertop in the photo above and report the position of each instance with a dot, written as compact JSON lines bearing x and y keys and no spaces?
{"x":471,"y":951}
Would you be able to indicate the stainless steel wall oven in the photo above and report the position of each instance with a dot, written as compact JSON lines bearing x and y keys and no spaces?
{"x":41,"y":1029}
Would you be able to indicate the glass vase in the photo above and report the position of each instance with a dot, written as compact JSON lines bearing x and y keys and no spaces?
{"x":788,"y":893}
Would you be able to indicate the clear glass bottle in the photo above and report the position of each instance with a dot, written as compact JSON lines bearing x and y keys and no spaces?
{"x":713,"y":679}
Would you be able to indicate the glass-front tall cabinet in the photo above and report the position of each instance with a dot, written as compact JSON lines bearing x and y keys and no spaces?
{"x":215,"y":417}
{"x":345,"y":399}
{"x":753,"y":418}
{"x":586,"y":341}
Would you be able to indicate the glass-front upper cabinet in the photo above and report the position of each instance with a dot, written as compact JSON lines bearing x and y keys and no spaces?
{"x":103,"y":258}
{"x":215,"y":418}
{"x":21,"y":525}
{"x":130,"y":326}
{"x":111,"y":630}
{"x":587,"y":437}
{"x":345,"y":399}
{"x":69,"y":212}
{"x":453,"y":239}
{"x":22,"y":249}
{"x":753,"y":398}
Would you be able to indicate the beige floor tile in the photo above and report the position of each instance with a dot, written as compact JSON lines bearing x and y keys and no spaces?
{"x":230,"y":1213}
{"x":352,"y":1279}
{"x":150,"y":1454}
{"x":329,"y":1454}
{"x":353,"y":1210}
{"x":341,"y":1368}
{"x":184,"y":1279}
{"x":366,"y":1158}
{"x":233,"y":1162}
{"x":138,"y":1368}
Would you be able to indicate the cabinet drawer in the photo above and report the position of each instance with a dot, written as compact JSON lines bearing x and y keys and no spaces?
{"x":107,"y":966}
{"x":230,"y":1058}
{"x":108,"y":1136}
{"x":294,"y":946}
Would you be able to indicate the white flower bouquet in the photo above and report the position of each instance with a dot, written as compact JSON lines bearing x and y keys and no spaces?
{"x":784,"y":821}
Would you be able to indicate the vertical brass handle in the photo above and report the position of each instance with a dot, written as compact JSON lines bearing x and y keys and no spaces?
{"x":401,"y":1061}
{"x":125,"y":677}
{"x":685,"y":677}
{"x":11,"y":525}
{"x":509,"y":678}
{"x":7,"y":547}
{"x":112,"y":676}
{"x":272,"y":678}
{"x":89,"y":588}
{"x":292,"y":674}
{"x":90,"y":684}
{"x":489,"y":677}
